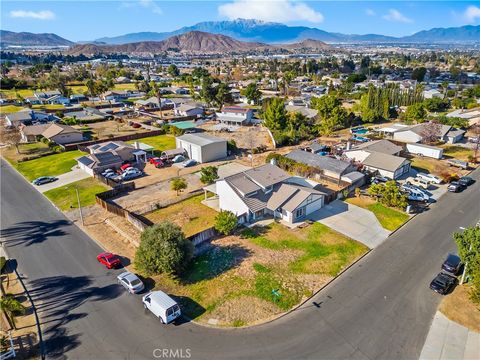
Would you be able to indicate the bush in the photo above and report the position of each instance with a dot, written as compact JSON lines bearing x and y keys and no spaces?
{"x":163,"y":249}
{"x":389,"y":194}
{"x":226,"y":222}
{"x":209,"y":174}
{"x":3,"y":262}
{"x":232,"y":146}
{"x":448,"y":177}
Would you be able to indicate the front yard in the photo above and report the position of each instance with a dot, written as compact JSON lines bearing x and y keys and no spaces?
{"x":51,"y":165}
{"x":65,"y":197}
{"x":260,"y":273}
{"x":390,"y":219}
{"x":191,"y":215}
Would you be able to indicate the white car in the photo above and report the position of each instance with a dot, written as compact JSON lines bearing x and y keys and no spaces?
{"x":419,"y":182}
{"x":131,"y":282}
{"x":429,"y":177}
{"x":162,"y":306}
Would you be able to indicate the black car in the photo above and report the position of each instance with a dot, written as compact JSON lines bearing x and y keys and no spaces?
{"x":455,"y":186}
{"x":466,"y":181}
{"x":452,"y":264}
{"x":443,"y":283}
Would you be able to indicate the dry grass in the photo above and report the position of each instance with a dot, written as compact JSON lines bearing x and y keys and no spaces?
{"x":459,"y":308}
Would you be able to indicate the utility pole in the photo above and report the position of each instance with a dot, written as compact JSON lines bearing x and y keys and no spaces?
{"x":79,"y":206}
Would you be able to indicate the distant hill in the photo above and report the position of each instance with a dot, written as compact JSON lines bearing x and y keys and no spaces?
{"x":271,"y":33}
{"x":193,"y":42}
{"x":10,"y":38}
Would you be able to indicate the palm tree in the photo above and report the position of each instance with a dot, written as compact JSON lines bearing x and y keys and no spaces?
{"x":11,"y":307}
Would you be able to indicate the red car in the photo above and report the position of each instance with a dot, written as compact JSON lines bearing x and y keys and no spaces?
{"x":111,"y":261}
{"x":124,"y":166}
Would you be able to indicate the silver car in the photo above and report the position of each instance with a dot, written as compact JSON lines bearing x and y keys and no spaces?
{"x":131,"y":282}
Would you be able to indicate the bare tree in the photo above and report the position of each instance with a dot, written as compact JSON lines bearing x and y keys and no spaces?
{"x":11,"y":136}
{"x":431,"y":132}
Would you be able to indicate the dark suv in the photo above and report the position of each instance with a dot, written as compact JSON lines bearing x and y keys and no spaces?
{"x":443,"y":283}
{"x":452,"y":264}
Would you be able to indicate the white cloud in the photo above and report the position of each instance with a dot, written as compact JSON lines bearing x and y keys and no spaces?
{"x":146,"y":4}
{"x":370,"y":12}
{"x":276,"y":10}
{"x":472,"y":13}
{"x":39,"y":15}
{"x":395,"y":15}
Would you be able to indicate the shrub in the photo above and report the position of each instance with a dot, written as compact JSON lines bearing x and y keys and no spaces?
{"x":3,"y":262}
{"x":163,"y":249}
{"x":226,"y":222}
{"x":448,"y":176}
{"x":389,"y":194}
{"x":209,"y":174}
{"x":178,"y":184}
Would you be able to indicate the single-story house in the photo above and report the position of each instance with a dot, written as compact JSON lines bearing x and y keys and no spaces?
{"x":110,"y":154}
{"x":235,"y":115}
{"x":88,"y":114}
{"x":62,"y":134}
{"x":150,"y":103}
{"x":362,"y":151}
{"x":387,"y":165}
{"x":32,"y":100}
{"x":414,"y":133}
{"x":202,"y":147}
{"x":432,"y":93}
{"x":44,"y":95}
{"x":188,"y":110}
{"x":266,"y":191}
{"x":58,"y":99}
{"x":115,"y":95}
{"x":77,"y":98}
{"x":29,"y":117}
{"x":328,"y":166}
{"x":472,"y":115}
{"x":305,"y":111}
{"x":32,"y":133}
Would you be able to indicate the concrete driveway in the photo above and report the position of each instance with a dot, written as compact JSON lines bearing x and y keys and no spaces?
{"x":75,"y":175}
{"x":352,"y":221}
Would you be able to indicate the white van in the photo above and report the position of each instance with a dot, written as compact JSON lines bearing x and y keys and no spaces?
{"x":162,"y":306}
{"x":429,"y":177}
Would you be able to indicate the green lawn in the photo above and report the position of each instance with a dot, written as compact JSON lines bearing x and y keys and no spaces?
{"x":160,"y":142}
{"x":231,"y":273}
{"x":191,"y":215}
{"x":65,"y":197}
{"x":51,"y":165}
{"x":11,"y":109}
{"x":48,"y":107}
{"x":11,"y":94}
{"x":457,"y":152}
{"x":390,"y":219}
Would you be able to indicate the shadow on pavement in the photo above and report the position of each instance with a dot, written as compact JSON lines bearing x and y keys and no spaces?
{"x":32,"y":232}
{"x":57,"y":298}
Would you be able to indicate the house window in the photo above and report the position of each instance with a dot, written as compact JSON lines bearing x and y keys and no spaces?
{"x":258,"y":214}
{"x":300,"y":212}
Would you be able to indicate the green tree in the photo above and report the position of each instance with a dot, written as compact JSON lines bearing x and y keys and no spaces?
{"x":11,"y":307}
{"x":226,"y":222}
{"x":163,"y":249}
{"x":389,"y":194}
{"x":173,"y":70}
{"x":331,"y":114}
{"x":178,"y":184}
{"x":468,"y":243}
{"x":415,"y":113}
{"x":209,"y":174}
{"x":223,"y":95}
{"x":419,"y":74}
{"x":252,"y":93}
{"x":275,"y":116}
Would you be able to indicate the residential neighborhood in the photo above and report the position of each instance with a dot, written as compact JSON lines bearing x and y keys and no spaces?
{"x":160,"y":191}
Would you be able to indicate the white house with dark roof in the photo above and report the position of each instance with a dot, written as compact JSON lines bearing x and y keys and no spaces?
{"x":267,"y":191}
{"x":415,"y":134}
{"x":188,"y":110}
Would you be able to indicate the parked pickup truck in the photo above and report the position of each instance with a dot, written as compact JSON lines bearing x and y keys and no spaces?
{"x":458,"y":163}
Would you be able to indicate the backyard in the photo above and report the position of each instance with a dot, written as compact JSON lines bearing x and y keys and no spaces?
{"x":160,"y":142}
{"x":191,"y":215}
{"x":390,"y":219}
{"x":260,"y":273}
{"x":65,"y":197}
{"x":51,"y":165}
{"x":457,"y":152}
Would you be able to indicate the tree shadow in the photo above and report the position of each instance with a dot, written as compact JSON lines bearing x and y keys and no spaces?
{"x":57,"y":300}
{"x":214,"y":262}
{"x":32,"y":232}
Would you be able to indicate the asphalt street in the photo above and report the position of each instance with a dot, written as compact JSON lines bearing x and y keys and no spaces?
{"x":381,"y":308}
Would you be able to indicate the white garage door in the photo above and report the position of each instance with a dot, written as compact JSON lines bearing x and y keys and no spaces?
{"x":196,"y":153}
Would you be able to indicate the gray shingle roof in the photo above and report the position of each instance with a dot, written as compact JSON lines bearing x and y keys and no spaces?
{"x":384,"y":161}
{"x":200,"y":139}
{"x":318,"y":161}
{"x":267,"y":175}
{"x":383,"y":146}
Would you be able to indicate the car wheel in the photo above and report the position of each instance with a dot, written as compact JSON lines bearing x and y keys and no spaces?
{"x":161,"y":320}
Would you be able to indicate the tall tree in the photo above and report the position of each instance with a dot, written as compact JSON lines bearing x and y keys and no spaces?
{"x":275,"y":116}
{"x":252,"y":93}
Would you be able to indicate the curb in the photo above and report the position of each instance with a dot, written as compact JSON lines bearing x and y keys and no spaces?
{"x":37,"y":320}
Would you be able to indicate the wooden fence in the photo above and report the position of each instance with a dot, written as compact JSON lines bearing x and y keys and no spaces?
{"x":83,"y":145}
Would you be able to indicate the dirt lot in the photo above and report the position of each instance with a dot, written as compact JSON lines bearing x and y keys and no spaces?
{"x":245,"y":137}
{"x":103,"y":129}
{"x":458,"y":307}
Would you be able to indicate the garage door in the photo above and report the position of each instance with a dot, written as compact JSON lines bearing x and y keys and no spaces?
{"x":195,"y":153}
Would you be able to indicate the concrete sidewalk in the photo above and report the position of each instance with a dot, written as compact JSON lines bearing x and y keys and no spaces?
{"x":353,"y":221}
{"x":448,"y":340}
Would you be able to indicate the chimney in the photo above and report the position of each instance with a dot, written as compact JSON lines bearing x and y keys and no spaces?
{"x":349,"y":145}
{"x":136,"y":144}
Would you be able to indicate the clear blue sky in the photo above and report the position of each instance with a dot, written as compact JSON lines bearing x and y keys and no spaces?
{"x":88,"y":20}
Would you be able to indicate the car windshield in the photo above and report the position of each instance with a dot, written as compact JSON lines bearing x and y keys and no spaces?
{"x":135,"y":282}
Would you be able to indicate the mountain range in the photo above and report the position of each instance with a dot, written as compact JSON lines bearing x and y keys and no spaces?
{"x":10,"y":38}
{"x":192,"y":42}
{"x":271,"y":33}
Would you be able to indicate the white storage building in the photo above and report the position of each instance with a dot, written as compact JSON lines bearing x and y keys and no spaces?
{"x":202,"y":147}
{"x":425,"y":150}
